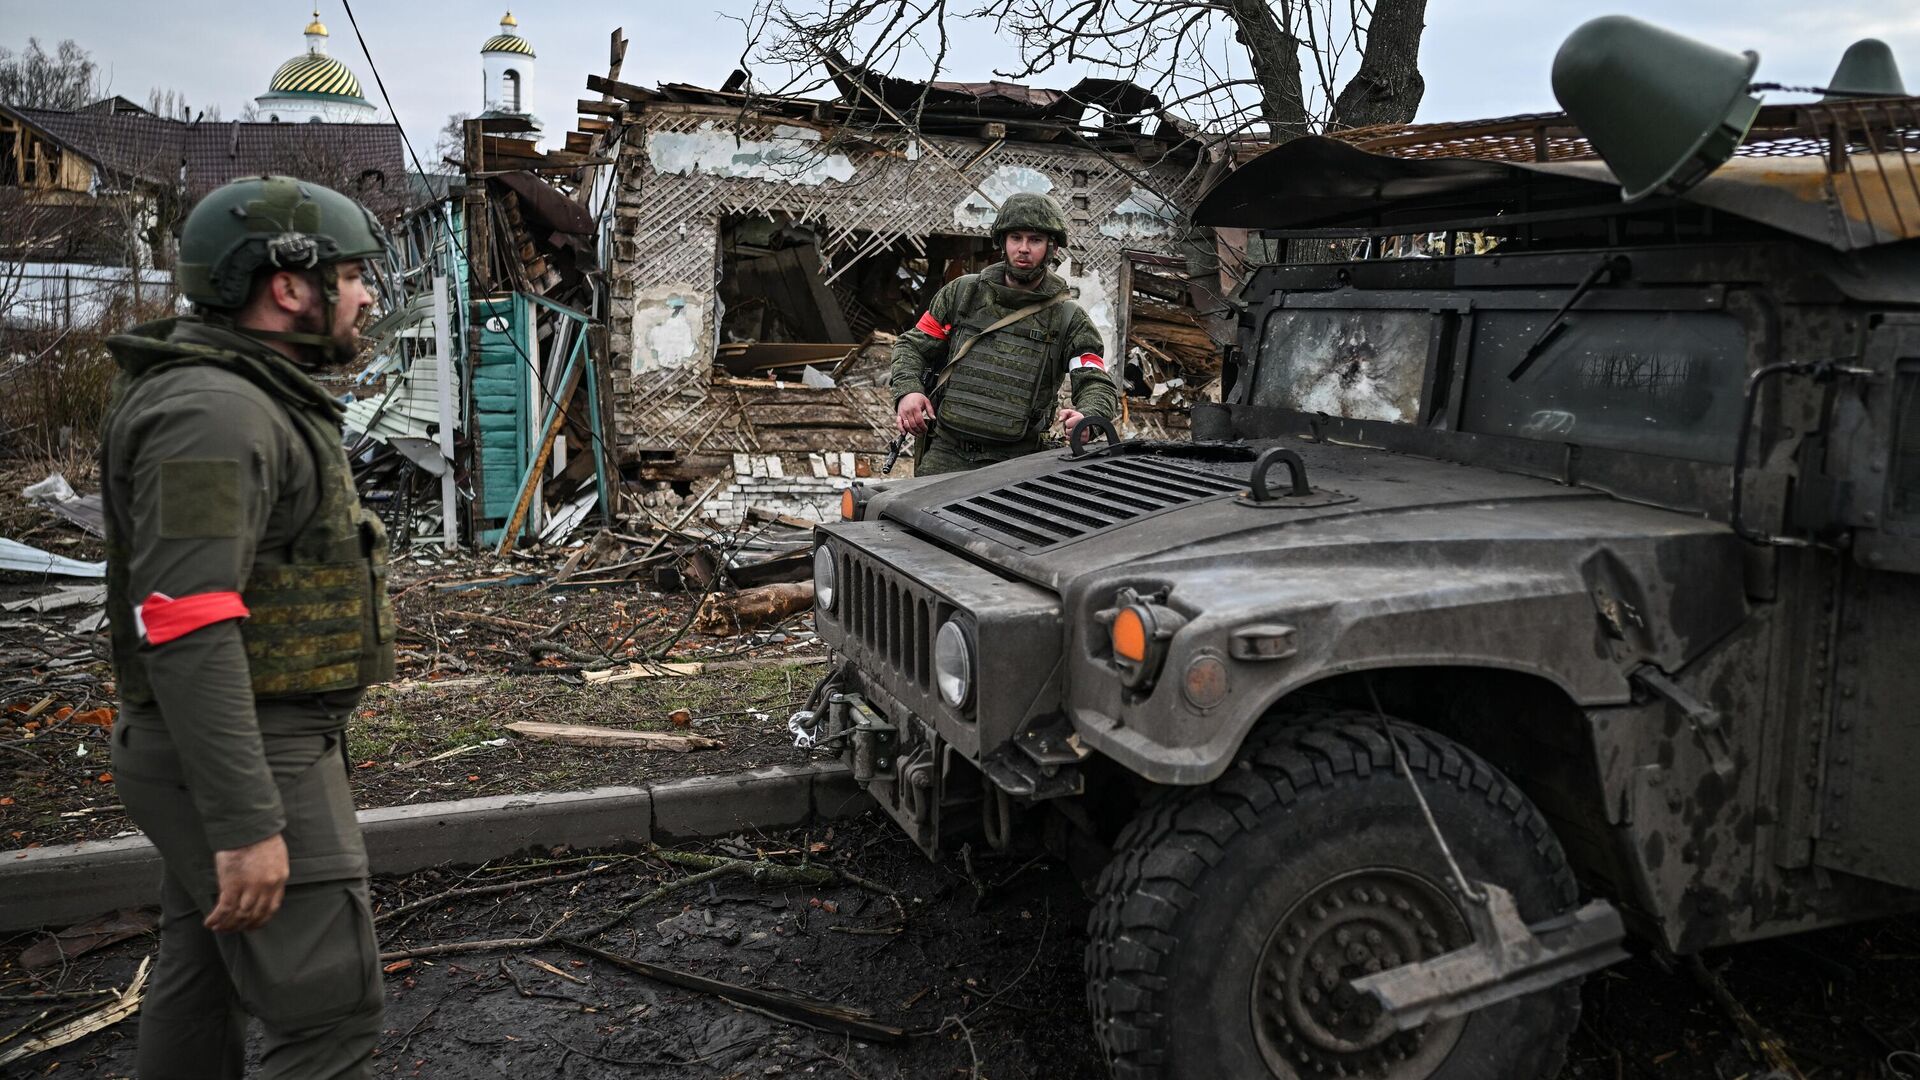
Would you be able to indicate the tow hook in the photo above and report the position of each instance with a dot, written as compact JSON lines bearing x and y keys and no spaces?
{"x":871,"y":737}
{"x":1507,"y":959}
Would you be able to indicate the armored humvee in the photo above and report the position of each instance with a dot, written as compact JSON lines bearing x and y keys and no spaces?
{"x":1577,"y":561}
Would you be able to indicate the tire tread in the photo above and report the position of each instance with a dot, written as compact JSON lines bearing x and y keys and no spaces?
{"x":1156,"y":857}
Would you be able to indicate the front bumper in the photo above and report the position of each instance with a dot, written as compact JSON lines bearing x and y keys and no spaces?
{"x":893,"y":592}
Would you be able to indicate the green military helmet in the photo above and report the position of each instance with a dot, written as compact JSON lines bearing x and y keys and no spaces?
{"x":1028,"y":210}
{"x":268,"y":223}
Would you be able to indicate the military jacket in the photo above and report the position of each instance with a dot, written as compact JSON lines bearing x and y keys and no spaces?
{"x":241,"y":571}
{"x":1004,"y":387}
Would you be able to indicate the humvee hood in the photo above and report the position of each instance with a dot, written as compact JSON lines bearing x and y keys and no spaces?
{"x":1050,"y":518}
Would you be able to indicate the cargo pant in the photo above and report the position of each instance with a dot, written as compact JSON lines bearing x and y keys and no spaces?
{"x":311,"y":975}
{"x":944,"y":452}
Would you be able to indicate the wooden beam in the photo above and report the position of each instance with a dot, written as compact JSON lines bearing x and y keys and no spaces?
{"x":578,"y":143}
{"x":592,"y":126}
{"x":639,"y":95}
{"x":512,"y":148}
{"x":591,"y":107}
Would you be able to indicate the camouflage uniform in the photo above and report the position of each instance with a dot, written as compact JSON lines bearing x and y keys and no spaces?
{"x":997,"y":403}
{"x":228,"y":497}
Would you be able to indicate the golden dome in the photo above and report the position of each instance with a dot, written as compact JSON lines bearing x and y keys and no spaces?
{"x":509,"y":20}
{"x":316,"y":26}
{"x":509,"y":43}
{"x":315,"y":74}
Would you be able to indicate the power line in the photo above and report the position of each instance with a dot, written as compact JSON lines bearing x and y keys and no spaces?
{"x":453,"y":237}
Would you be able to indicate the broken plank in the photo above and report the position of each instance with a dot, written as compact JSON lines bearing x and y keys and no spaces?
{"x":590,"y":107}
{"x":593,"y":735}
{"x":641,"y":671}
{"x":124,"y":1004}
{"x":600,"y":84}
{"x":592,"y":126}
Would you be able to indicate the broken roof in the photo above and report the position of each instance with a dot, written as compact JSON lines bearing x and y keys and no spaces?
{"x":1128,"y":116}
{"x":1844,"y":174}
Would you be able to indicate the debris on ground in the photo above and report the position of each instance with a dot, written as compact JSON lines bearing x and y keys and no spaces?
{"x":729,"y":615}
{"x":123,"y":1005}
{"x":58,"y":496}
{"x":595,"y":633}
{"x":27,"y":559}
{"x":729,"y":958}
{"x":615,"y":738}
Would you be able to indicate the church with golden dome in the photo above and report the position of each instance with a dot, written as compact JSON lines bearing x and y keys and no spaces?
{"x":506,"y":64}
{"x":315,"y":87}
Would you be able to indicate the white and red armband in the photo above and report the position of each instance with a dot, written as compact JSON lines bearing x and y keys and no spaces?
{"x":933,"y":327}
{"x":161,"y":618}
{"x":1087,"y":361}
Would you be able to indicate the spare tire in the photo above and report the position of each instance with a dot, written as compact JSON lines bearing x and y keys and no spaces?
{"x":1233,"y":916}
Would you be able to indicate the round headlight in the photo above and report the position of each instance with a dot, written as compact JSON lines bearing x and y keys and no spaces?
{"x":953,"y":663}
{"x":823,"y":578}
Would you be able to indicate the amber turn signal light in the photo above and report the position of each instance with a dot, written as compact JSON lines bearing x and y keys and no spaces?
{"x":1130,"y":635}
{"x":849,"y":508}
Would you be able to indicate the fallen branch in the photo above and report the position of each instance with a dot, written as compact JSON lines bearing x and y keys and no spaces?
{"x":492,"y":620}
{"x":762,"y":869}
{"x":125,"y":1004}
{"x":1764,"y":1044}
{"x":591,"y":735}
{"x":838,"y":1018}
{"x":726,"y":615}
{"x":495,"y":889}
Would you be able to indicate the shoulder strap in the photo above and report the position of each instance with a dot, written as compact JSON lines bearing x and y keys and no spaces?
{"x":1025,"y":312}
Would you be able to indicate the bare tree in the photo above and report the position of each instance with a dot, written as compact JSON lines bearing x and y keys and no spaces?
{"x":33,"y":78}
{"x":1225,"y":64}
{"x":173,"y":105}
{"x":451,"y":143}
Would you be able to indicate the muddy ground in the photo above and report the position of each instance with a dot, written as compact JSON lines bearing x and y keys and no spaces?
{"x":986,"y":986}
{"x":477,"y":651}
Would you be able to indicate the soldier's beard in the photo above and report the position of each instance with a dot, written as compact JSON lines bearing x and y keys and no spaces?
{"x":1027,"y":275}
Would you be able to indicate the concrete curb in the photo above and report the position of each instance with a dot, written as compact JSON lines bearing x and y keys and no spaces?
{"x":64,"y":884}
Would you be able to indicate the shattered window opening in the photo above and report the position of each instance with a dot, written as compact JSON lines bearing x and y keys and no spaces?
{"x":1358,"y":365}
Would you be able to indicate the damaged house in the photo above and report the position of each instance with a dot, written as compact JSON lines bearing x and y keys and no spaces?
{"x":764,"y":251}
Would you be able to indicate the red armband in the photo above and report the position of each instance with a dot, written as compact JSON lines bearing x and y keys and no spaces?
{"x":1087,"y":360}
{"x":160,"y":618}
{"x":933,"y":327}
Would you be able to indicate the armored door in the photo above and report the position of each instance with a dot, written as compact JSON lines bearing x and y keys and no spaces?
{"x":1870,"y":800}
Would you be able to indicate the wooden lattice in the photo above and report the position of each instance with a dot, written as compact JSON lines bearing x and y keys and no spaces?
{"x":904,"y":189}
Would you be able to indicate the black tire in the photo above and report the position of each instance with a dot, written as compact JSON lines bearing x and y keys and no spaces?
{"x":1235,"y":894}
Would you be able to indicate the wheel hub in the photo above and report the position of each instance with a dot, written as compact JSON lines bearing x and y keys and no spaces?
{"x":1308,"y":1019}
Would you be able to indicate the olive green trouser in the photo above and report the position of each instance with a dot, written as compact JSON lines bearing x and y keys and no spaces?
{"x":944,"y":452}
{"x":311,"y":975}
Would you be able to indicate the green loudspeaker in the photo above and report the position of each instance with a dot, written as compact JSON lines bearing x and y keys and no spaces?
{"x":1866,"y":70}
{"x":1663,"y":110}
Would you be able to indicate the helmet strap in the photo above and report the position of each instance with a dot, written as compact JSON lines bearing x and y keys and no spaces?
{"x":329,"y":350}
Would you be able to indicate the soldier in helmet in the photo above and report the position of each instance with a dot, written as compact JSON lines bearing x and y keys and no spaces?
{"x":246,"y":592}
{"x":975,"y":379}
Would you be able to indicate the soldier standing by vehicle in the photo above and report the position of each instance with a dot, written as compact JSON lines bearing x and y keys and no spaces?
{"x":986,"y":358}
{"x":228,"y":498}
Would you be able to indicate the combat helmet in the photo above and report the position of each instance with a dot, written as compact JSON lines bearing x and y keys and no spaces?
{"x":1029,"y":210}
{"x":271,"y":223}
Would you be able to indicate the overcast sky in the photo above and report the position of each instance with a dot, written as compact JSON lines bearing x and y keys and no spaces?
{"x":1481,"y":58}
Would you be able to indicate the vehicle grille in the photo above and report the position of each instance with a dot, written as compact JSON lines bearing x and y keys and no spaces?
{"x":1047,"y":511}
{"x":886,"y":613}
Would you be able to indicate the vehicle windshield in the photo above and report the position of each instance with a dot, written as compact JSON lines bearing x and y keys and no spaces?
{"x":1665,"y":382}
